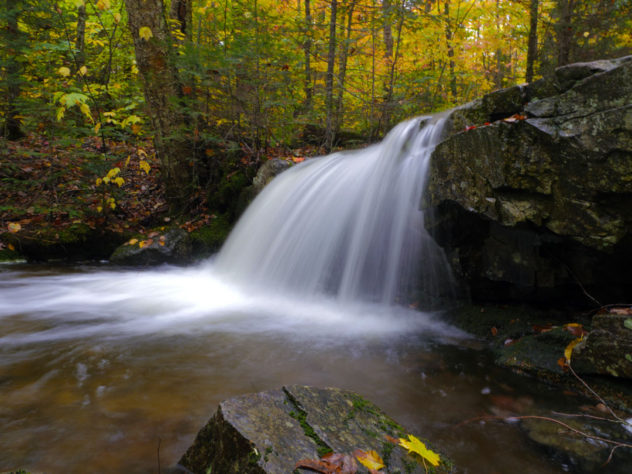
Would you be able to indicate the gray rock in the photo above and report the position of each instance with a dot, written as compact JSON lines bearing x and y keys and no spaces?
{"x":172,"y":246}
{"x":269,"y":432}
{"x":559,"y":182}
{"x":268,"y":171}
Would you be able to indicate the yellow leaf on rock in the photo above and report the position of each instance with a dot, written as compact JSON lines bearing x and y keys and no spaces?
{"x":568,"y":352}
{"x":414,"y":445}
{"x":145,"y":33}
{"x":64,"y":71}
{"x":133,"y":241}
{"x":141,"y":244}
{"x":369,"y":459}
{"x":14,"y":227}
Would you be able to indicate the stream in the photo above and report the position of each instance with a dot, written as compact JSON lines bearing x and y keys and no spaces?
{"x":109,"y":370}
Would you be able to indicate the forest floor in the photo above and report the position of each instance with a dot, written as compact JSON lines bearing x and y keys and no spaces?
{"x":48,"y":185}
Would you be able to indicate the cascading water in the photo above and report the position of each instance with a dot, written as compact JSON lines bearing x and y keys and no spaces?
{"x":347,"y":225}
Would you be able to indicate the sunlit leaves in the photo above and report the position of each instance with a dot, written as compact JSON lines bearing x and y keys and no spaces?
{"x":83,"y":70}
{"x":64,"y":71}
{"x":103,"y":4}
{"x":414,"y":445}
{"x":145,"y":33}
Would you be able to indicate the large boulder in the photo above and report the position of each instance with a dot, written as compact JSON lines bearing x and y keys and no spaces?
{"x":531,"y":190}
{"x":270,"y":432}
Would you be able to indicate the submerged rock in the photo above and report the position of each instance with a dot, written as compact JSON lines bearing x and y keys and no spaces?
{"x":269,"y":432}
{"x":532,"y":189}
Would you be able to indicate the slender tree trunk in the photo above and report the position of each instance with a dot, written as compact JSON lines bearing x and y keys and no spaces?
{"x":182,"y":11}
{"x":500,"y":66}
{"x":449,"y":34}
{"x":329,"y":78}
{"x":14,"y":42}
{"x":344,"y":54}
{"x":388,"y":100}
{"x":564,"y":31}
{"x":155,"y":60}
{"x":532,"y":46}
{"x":307,"y":47}
{"x":80,"y":42}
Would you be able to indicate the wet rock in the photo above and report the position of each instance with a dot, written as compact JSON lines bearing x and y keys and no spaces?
{"x":528,"y":207}
{"x":607,"y":349}
{"x":268,"y":172}
{"x":580,"y":453}
{"x":171,"y":246}
{"x":269,"y":432}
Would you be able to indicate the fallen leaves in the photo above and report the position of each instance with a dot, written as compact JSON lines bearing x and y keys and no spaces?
{"x":414,"y":445}
{"x":369,"y":459}
{"x":14,"y":227}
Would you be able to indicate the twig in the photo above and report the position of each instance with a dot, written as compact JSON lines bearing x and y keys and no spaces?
{"x":595,"y":394}
{"x":617,"y":444}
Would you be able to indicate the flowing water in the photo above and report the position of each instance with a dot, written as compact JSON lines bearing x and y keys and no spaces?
{"x":115,"y":370}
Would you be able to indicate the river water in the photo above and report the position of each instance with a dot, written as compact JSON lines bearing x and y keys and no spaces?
{"x":115,"y":370}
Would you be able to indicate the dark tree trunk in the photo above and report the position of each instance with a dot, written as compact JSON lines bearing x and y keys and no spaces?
{"x":344,"y":54}
{"x":564,"y":31}
{"x":329,"y":79}
{"x":80,"y":42}
{"x":155,"y":60}
{"x":307,"y":47}
{"x":532,"y":46}
{"x":182,"y":11}
{"x":14,"y":42}
{"x":448,"y":39}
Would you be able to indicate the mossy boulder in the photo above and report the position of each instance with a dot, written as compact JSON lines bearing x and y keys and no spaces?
{"x":269,"y":432}
{"x":71,"y":243}
{"x":165,"y":246}
{"x":532,"y":188}
{"x":208,"y":239}
{"x":607,"y":349}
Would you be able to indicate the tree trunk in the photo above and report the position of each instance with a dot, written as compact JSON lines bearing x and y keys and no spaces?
{"x":564,"y":31}
{"x":80,"y":42}
{"x":182,"y":11}
{"x":307,"y":47}
{"x":329,"y":79}
{"x":448,"y":39}
{"x":14,"y":43}
{"x":532,"y":46}
{"x":155,"y":60}
{"x":388,"y":100}
{"x":344,"y":54}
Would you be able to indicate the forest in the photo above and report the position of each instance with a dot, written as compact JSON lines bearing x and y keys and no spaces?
{"x":202,"y":92}
{"x":231,"y":204}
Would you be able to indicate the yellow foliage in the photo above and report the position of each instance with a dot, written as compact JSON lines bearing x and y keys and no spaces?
{"x":117,"y":17}
{"x":145,"y":33}
{"x":64,"y":71}
{"x":83,"y":70}
{"x":119,"y":181}
{"x":103,"y":4}
{"x":415,"y":445}
{"x":144,"y":166}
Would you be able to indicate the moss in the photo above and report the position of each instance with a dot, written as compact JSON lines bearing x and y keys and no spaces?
{"x":300,"y":415}
{"x":209,"y":239}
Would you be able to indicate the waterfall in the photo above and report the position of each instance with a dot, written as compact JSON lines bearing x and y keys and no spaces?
{"x":348,"y":225}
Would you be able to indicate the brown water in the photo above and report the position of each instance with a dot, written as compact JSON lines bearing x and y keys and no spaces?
{"x":98,"y":373}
